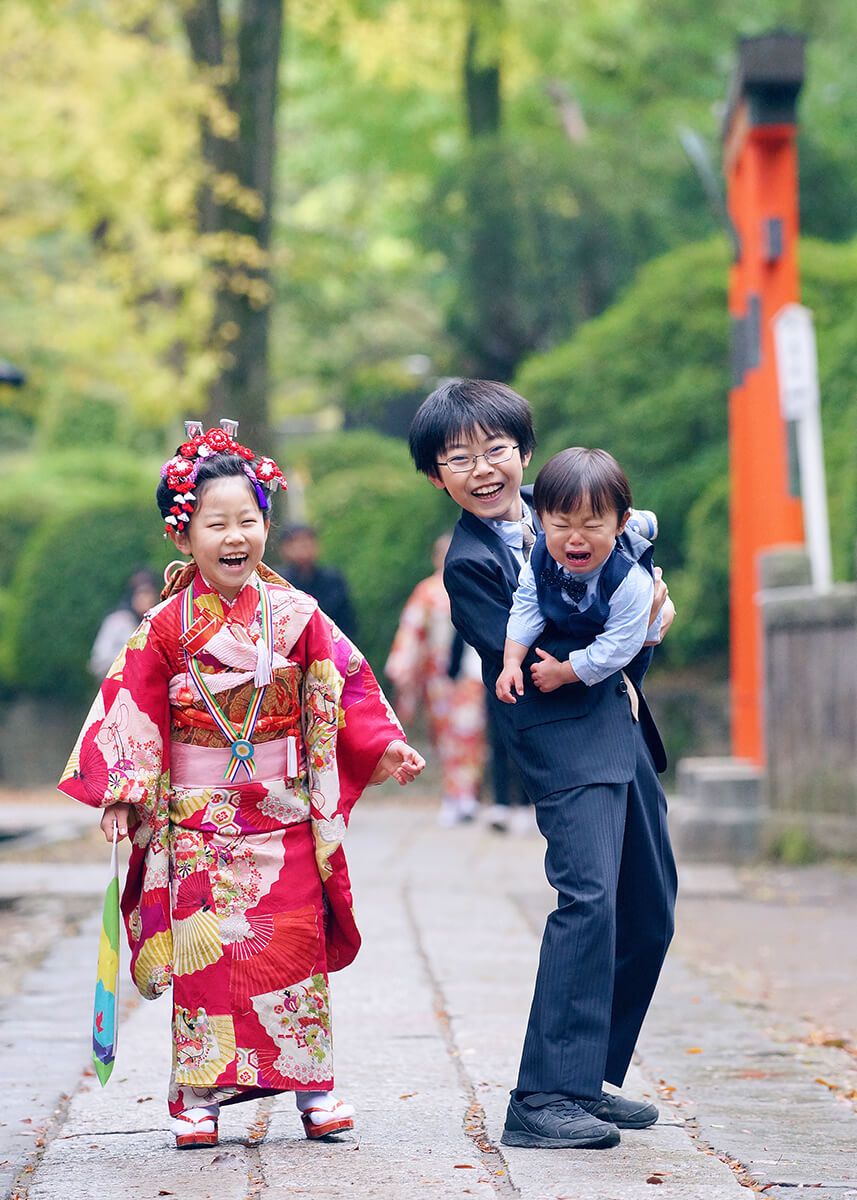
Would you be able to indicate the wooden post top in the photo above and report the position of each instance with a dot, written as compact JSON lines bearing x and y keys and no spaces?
{"x":766,"y":82}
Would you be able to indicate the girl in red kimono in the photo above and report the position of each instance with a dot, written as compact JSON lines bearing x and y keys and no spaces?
{"x":230,"y":740}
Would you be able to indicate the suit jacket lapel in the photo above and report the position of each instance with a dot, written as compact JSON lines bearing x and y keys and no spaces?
{"x":493,"y":543}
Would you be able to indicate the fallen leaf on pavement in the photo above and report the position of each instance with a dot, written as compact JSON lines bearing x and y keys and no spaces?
{"x":464,"y":1167}
{"x":693,"y":1050}
{"x":823,"y":1037}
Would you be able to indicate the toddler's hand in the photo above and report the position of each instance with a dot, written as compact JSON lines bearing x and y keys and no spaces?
{"x":660,"y":595}
{"x":510,"y":679}
{"x":400,"y":761}
{"x":550,"y":673}
{"x":118,"y":814}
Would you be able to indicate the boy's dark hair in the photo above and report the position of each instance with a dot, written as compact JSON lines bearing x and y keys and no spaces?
{"x":218,"y":466}
{"x":454,"y":410}
{"x":577,"y":475}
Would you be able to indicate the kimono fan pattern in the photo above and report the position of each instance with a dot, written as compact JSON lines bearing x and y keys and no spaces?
{"x":237,"y":893}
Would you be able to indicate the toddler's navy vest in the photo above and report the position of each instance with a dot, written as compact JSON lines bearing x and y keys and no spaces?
{"x":581,"y":628}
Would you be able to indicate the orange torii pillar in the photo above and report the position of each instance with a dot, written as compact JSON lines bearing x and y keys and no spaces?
{"x":760,"y":162}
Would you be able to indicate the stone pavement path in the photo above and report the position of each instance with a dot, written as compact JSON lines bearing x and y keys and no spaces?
{"x":428,"y":1025}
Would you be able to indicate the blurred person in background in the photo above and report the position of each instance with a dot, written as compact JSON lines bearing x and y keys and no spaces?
{"x":300,"y":566}
{"x":512,"y":809}
{"x":419,"y":667}
{"x":141,"y":594}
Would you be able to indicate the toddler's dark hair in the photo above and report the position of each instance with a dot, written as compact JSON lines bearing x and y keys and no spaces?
{"x":217,"y":466}
{"x":456,"y":408}
{"x":576,"y":476}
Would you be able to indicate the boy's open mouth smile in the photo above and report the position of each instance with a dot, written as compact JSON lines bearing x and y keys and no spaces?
{"x":488,"y":491}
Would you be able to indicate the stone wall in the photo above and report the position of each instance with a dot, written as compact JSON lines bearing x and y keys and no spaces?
{"x":36,"y":738}
{"x":810,"y":685}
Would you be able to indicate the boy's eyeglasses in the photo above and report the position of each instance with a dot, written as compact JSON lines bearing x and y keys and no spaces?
{"x":459,"y":463}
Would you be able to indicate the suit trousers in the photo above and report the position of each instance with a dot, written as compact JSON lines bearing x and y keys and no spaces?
{"x":610,"y":860}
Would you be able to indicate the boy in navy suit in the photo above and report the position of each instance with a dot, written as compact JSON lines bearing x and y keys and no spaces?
{"x":588,"y":756}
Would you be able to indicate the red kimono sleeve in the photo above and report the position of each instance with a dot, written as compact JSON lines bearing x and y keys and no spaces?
{"x":122,"y":751}
{"x":122,"y":754}
{"x":348,"y":722}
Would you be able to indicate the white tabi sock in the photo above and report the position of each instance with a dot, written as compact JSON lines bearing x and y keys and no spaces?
{"x":324,"y":1101}
{"x":209,"y":1112}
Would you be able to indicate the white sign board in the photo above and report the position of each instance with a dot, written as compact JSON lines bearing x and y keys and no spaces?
{"x":797,"y":361}
{"x":797,"y":374}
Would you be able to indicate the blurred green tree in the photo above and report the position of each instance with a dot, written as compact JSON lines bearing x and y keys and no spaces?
{"x":540,"y":163}
{"x":104,"y":290}
{"x":238,"y":56}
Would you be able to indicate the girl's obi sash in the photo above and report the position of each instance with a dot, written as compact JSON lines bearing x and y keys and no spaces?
{"x":204,"y":766}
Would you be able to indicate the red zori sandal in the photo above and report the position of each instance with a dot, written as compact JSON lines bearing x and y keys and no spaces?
{"x":320,"y":1122}
{"x":194,"y":1131}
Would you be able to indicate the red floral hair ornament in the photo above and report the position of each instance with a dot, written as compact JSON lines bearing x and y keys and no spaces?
{"x":180,"y":472}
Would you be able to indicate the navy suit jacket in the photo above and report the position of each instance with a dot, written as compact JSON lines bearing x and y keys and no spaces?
{"x":571,"y":737}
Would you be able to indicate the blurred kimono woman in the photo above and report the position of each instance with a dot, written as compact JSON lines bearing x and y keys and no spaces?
{"x":419,"y":667}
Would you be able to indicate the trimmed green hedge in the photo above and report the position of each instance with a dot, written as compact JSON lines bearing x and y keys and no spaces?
{"x":66,"y":560}
{"x":73,"y":571}
{"x":36,"y":487}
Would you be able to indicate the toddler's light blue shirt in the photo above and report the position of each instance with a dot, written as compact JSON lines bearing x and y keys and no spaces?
{"x":626,"y":630}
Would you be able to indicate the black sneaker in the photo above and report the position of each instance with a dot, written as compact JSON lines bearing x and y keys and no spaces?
{"x":624,"y":1114}
{"x":560,"y":1124}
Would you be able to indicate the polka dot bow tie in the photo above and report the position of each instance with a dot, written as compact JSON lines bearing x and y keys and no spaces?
{"x":575,"y":589}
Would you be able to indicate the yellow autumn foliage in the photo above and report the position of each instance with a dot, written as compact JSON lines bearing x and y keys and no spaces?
{"x":407,"y":44}
{"x":105,"y":284}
